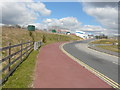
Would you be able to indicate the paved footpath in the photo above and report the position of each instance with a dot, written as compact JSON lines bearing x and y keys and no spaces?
{"x":56,"y":70}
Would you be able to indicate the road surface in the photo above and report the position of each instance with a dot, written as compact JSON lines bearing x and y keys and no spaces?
{"x":103,"y":63}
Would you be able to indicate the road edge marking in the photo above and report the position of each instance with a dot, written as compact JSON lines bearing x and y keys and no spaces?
{"x":100,"y":75}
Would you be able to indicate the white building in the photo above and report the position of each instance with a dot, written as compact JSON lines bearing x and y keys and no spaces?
{"x":81,"y":34}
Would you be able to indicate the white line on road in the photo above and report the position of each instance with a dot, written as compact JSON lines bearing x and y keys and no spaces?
{"x":115,"y":62}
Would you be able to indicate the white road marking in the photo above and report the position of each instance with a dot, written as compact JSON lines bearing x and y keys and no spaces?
{"x":115,"y":62}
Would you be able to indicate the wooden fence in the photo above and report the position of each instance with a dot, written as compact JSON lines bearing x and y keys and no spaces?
{"x":13,"y":56}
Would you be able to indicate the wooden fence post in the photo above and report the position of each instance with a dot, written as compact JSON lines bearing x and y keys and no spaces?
{"x":21,"y":50}
{"x":9,"y":53}
{"x":29,"y":45}
{"x":26,"y":48}
{"x":41,"y":43}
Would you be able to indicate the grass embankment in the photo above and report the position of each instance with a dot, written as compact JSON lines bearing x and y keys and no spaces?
{"x":15,"y":36}
{"x":23,"y":76}
{"x":113,"y":47}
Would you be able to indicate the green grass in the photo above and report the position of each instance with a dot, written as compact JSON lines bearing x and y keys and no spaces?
{"x":15,"y":35}
{"x":113,"y":48}
{"x":24,"y":74}
{"x":105,"y":41}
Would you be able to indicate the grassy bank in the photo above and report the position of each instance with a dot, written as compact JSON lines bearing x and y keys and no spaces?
{"x":24,"y":74}
{"x":15,"y":36}
{"x":105,"y":41}
{"x":113,"y":47}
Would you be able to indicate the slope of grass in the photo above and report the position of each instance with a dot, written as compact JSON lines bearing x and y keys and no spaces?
{"x":105,"y":41}
{"x":114,"y":48}
{"x":23,"y":76}
{"x":15,"y":35}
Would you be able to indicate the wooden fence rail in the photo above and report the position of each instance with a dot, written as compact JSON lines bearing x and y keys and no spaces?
{"x":13,"y":59}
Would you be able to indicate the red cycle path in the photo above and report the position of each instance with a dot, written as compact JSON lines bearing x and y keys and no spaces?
{"x":56,"y":70}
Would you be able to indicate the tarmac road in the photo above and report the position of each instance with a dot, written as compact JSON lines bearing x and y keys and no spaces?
{"x":103,"y":63}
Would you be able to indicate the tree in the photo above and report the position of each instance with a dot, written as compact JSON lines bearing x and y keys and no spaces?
{"x":44,"y":39}
{"x":17,"y":26}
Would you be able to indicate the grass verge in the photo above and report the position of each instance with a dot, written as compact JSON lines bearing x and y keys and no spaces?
{"x":113,"y":48}
{"x":23,"y":76}
{"x":105,"y":41}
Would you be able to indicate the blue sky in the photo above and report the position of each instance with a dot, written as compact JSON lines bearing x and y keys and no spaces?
{"x":95,"y":16}
{"x":70,"y":9}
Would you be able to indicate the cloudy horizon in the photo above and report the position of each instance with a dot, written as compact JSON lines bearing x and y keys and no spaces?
{"x":95,"y":17}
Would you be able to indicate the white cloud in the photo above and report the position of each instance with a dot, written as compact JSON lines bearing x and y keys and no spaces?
{"x":24,"y":12}
{"x":52,"y":22}
{"x":16,"y":1}
{"x":93,"y":28}
{"x":70,"y":21}
{"x":72,"y":24}
{"x":104,"y":12}
{"x":67,"y":22}
{"x":40,"y":8}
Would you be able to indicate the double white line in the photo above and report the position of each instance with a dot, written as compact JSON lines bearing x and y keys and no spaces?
{"x":100,"y":75}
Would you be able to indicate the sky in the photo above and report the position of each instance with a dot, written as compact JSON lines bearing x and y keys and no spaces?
{"x":93,"y":17}
{"x":69,"y":9}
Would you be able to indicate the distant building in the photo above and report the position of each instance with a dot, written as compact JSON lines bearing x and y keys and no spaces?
{"x":90,"y":36}
{"x":60,"y":31}
{"x":81,"y":34}
{"x":64,"y":31}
